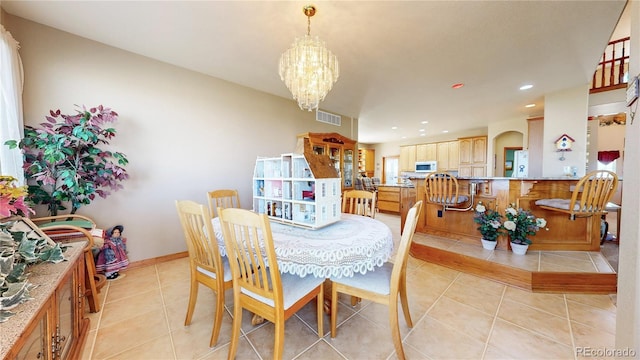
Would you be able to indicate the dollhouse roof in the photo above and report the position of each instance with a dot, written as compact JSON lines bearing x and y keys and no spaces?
{"x":321,"y":165}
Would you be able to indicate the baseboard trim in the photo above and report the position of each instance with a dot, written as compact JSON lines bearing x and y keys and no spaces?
{"x":157,"y":260}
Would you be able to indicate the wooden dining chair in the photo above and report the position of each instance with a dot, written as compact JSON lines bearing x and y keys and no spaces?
{"x":359,"y":202}
{"x":588,"y":198}
{"x":207,"y":266}
{"x":258,"y":285}
{"x":441,"y":188}
{"x":225,"y":198}
{"x":383,"y":285}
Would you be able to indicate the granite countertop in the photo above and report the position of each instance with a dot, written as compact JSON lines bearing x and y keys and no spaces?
{"x":46,"y":276}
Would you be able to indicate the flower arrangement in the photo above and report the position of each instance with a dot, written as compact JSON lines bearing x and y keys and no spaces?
{"x":12,"y":198}
{"x":521,"y":224}
{"x":490,"y":222}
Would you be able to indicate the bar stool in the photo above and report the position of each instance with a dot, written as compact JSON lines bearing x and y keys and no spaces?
{"x":590,"y":197}
{"x":441,"y":188}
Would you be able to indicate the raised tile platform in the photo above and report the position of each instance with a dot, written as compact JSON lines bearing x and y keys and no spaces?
{"x":538,"y":271}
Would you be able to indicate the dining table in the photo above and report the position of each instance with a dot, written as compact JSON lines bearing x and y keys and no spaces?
{"x":354,"y":244}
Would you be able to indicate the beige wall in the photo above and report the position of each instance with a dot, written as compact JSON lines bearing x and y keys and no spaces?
{"x":497,"y":128}
{"x":565,"y":112}
{"x":184,"y":133}
{"x":507,"y":139}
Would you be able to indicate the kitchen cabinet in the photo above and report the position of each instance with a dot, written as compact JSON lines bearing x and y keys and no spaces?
{"x":57,"y":328}
{"x":340,"y":149}
{"x":366,"y":162}
{"x":389,"y":199}
{"x":396,"y":199}
{"x":407,"y":158}
{"x":426,"y":152}
{"x":473,"y":157}
{"x":447,"y":154}
{"x":294,"y":190}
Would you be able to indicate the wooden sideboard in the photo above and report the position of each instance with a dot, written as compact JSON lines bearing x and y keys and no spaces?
{"x":53,"y":324}
{"x":581,"y":234}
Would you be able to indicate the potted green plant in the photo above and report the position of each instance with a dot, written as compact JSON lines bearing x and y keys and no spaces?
{"x":490,"y":225}
{"x":64,"y":163}
{"x":521,"y":224}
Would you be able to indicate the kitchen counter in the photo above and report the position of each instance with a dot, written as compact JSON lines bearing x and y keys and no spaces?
{"x":396,"y":199}
{"x":582,"y":234}
{"x":422,"y":177}
{"x":398,"y":185}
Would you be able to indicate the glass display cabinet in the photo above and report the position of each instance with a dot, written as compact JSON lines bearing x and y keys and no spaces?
{"x":340,"y":149}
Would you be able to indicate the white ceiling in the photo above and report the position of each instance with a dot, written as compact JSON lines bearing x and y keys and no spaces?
{"x":398,"y":59}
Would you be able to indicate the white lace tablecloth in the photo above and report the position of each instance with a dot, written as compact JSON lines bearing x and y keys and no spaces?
{"x":355,"y":244}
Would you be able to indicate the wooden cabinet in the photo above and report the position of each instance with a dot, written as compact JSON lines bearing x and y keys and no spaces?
{"x":426,"y":152}
{"x":340,"y":149}
{"x":389,"y":199}
{"x":473,"y":157}
{"x":454,"y":155}
{"x":448,"y":153}
{"x":407,"y":158}
{"x":396,"y":199}
{"x":366,"y":162}
{"x":58,"y":329}
{"x":297,"y":191}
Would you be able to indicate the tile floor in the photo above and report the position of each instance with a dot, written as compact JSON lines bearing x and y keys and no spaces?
{"x":455,"y":316}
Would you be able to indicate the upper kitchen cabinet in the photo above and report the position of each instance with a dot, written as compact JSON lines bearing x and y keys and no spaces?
{"x":447,"y":155}
{"x":340,"y":149}
{"x":426,"y":152}
{"x":407,"y":158}
{"x":473,"y":157}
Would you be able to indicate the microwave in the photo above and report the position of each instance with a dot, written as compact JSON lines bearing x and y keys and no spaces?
{"x":426,"y":166}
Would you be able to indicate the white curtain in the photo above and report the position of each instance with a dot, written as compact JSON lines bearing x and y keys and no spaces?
{"x":11,"y":122}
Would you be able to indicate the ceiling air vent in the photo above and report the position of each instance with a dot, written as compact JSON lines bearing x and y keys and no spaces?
{"x":328,"y":118}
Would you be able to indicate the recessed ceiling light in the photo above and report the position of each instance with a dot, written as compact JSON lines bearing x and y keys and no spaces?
{"x":530,"y":105}
{"x":424,"y":122}
{"x":457,"y":86}
{"x":423,"y":134}
{"x":526,"y":87}
{"x":421,"y":130}
{"x":404,"y":137}
{"x":445,"y":131}
{"x":394,"y":128}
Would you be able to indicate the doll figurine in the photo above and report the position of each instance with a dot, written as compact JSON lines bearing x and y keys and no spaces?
{"x":113,"y":255}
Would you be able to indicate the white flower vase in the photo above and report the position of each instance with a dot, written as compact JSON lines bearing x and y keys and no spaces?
{"x":519,"y":249}
{"x":488,"y":244}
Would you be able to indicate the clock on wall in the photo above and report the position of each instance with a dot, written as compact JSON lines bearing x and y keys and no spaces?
{"x":563,"y":144}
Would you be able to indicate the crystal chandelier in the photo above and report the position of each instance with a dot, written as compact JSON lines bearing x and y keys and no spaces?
{"x":308,"y":68}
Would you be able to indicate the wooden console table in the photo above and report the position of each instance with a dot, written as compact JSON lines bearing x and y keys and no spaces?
{"x":53,"y":324}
